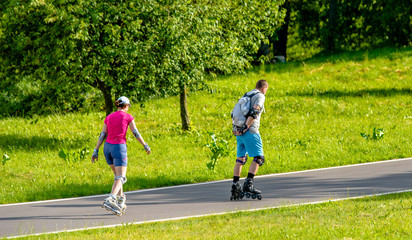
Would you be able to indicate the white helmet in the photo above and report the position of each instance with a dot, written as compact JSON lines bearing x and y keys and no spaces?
{"x":124,"y":100}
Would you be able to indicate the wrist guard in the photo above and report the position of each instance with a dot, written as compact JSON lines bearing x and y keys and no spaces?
{"x":146,"y":147}
{"x":240,"y":130}
{"x":95,"y":153}
{"x":244,"y":128}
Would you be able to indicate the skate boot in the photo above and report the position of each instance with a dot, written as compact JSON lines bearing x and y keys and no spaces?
{"x":121,"y":202}
{"x":236,"y":191}
{"x":110,"y":204}
{"x":251,"y":191}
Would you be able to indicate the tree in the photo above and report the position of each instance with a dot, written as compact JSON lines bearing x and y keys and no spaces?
{"x":133,"y":47}
{"x":352,"y":24}
{"x":72,"y":42}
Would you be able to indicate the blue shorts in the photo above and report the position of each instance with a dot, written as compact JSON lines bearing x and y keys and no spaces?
{"x":115,"y":154}
{"x":250,"y":144}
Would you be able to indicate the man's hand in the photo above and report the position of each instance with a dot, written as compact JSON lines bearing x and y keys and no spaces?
{"x":240,"y":131}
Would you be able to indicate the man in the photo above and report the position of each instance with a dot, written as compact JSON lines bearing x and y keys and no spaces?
{"x":249,"y":143}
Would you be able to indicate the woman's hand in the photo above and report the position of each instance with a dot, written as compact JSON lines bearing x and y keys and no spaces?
{"x":95,"y":155}
{"x":147,"y":148}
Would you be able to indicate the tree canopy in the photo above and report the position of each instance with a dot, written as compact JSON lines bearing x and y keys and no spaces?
{"x":132,"y":47}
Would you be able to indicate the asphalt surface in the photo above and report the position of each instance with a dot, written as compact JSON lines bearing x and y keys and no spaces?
{"x":207,"y":198}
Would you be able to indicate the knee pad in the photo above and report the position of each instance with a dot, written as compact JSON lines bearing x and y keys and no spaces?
{"x":122,"y":178}
{"x":239,"y":160}
{"x":259,"y":160}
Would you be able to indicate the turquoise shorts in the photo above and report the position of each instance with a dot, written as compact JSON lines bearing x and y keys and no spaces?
{"x":115,"y":154}
{"x":250,"y":144}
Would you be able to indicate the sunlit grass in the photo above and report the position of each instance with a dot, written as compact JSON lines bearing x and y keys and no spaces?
{"x":316,"y":113}
{"x":384,"y":217}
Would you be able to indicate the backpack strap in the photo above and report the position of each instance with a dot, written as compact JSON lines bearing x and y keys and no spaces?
{"x":252,"y":112}
{"x":251,"y":95}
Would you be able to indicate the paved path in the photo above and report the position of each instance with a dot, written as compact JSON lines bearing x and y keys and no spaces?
{"x":208,"y":198}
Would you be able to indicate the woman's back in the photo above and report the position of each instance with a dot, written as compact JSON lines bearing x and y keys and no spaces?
{"x":117,"y":124}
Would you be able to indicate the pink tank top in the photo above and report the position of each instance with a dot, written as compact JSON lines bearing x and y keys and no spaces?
{"x":117,"y":124}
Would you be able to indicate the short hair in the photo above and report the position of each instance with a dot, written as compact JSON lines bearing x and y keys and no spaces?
{"x":261,"y":84}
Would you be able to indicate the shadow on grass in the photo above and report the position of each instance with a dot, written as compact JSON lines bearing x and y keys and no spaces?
{"x":342,"y":56}
{"x":14,"y":141}
{"x":359,"y":93}
{"x":69,"y":190}
{"x":390,"y":53}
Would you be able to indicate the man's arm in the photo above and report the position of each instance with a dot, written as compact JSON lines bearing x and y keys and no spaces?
{"x":250,"y":119}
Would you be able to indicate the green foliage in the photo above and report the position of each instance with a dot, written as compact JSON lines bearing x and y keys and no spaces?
{"x":30,"y":97}
{"x":5,"y":159}
{"x":74,"y":156}
{"x":219,"y":148}
{"x":376,"y":134}
{"x":136,"y":48}
{"x":359,"y":25}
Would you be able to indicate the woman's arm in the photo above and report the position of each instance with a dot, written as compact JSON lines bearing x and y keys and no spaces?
{"x":139,"y":137}
{"x":101,"y":139}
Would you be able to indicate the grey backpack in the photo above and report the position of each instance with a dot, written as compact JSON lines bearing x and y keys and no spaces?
{"x":242,"y":109}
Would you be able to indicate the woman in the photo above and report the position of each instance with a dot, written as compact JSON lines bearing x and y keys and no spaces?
{"x":115,"y":151}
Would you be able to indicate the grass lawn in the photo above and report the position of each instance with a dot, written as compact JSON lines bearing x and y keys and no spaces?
{"x":379,"y":217}
{"x":348,"y":108}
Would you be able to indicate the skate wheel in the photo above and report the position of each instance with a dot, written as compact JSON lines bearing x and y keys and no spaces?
{"x":231,"y":198}
{"x":242,"y":195}
{"x":259,"y":197}
{"x":253,"y":196}
{"x":247,"y":195}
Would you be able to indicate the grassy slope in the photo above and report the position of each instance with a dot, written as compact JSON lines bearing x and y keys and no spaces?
{"x":315,"y":113}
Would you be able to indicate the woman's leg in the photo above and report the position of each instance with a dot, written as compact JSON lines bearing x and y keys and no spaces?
{"x":120,"y":177}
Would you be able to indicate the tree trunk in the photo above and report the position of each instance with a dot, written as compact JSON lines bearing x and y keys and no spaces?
{"x":107,"y":96}
{"x":280,"y":46}
{"x":332,"y":25}
{"x":283,"y":36}
{"x":183,"y":108}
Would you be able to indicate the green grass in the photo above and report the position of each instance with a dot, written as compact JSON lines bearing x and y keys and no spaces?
{"x":316,"y":114}
{"x":383,"y":217}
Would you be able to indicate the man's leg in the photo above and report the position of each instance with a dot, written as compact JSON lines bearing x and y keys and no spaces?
{"x":240,"y":161}
{"x":248,"y":185}
{"x":254,"y":147}
{"x":254,"y":166}
{"x":236,"y":187}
